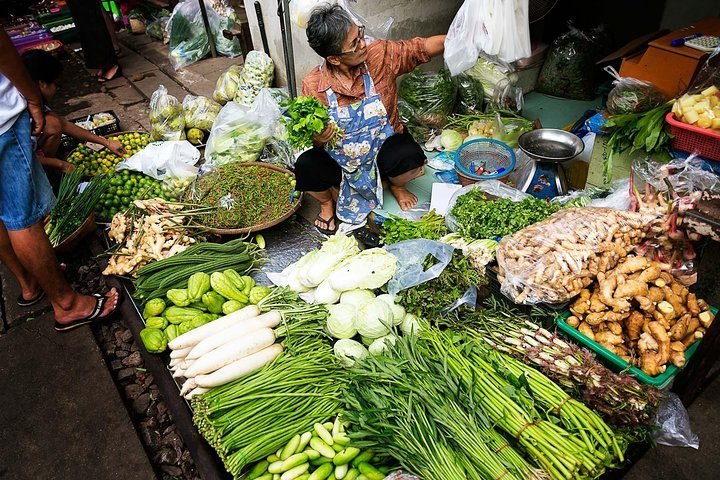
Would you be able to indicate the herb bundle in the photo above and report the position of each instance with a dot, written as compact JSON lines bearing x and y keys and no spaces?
{"x":306,"y":118}
{"x":430,"y":226}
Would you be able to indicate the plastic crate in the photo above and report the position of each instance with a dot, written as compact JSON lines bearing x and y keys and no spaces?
{"x":617,"y":364}
{"x":69,"y":143}
{"x":689,"y":138}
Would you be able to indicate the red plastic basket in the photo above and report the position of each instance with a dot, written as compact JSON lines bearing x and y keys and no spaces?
{"x":689,"y":138}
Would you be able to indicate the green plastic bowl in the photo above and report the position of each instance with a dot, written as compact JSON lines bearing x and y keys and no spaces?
{"x":617,"y":364}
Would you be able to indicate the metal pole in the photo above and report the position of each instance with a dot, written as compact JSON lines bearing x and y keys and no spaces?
{"x":261,"y":26}
{"x":284,"y":14}
{"x":206,"y":23}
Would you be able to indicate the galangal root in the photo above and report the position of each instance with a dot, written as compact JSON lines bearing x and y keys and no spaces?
{"x":642,"y":314}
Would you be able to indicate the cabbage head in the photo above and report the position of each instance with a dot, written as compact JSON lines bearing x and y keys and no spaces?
{"x":349,"y":351}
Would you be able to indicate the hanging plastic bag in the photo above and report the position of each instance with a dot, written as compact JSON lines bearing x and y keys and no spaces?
{"x":470,"y":95}
{"x":240,"y":132}
{"x":257,"y":73}
{"x":426,"y":101}
{"x":200,"y":112}
{"x":630,"y":95}
{"x":673,"y":424}
{"x":154,"y":159}
{"x":491,"y":72}
{"x":411,"y":255}
{"x":708,"y":75}
{"x":301,"y":11}
{"x":227,"y":84}
{"x":167,"y":121}
{"x":507,"y":97}
{"x":570,"y":69}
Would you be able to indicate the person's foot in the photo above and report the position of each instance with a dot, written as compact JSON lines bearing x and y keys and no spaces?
{"x":86,"y":306}
{"x":404,"y":197}
{"x":109,"y":74}
{"x":326,"y":221}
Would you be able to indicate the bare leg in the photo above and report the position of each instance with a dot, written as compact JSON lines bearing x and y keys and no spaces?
{"x":35,"y":253}
{"x":28,"y":285}
{"x":50,"y":139}
{"x":404,"y":197}
{"x":326,"y":199}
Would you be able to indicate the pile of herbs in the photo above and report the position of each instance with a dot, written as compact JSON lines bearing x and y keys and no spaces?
{"x":478,"y":217}
{"x":244,"y":196}
{"x":426,"y":101}
{"x":430,"y":226}
{"x":429,"y":300}
{"x":74,"y":205}
{"x":306,"y":118}
{"x":637,"y":131}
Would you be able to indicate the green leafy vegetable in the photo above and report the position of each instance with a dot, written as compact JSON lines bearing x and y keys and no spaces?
{"x":430,"y":226}
{"x":426,"y":101}
{"x":306,"y":118}
{"x":478,"y":217}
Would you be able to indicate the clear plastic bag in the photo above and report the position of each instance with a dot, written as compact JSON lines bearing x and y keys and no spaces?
{"x":240,"y":132}
{"x":616,"y":197}
{"x":401,"y":476}
{"x":570,"y":68}
{"x":411,"y":255}
{"x":551,"y":261}
{"x":495,"y":188}
{"x":491,"y":72}
{"x":167,"y":121}
{"x":506,"y":96}
{"x":188,"y":39}
{"x":157,"y":29}
{"x":155,"y":159}
{"x":426,"y":101}
{"x":301,"y":10}
{"x":200,"y":112}
{"x":470,"y":95}
{"x":257,"y":73}
{"x":227,"y":84}
{"x":630,"y":95}
{"x":686,"y":175}
{"x":708,"y":75}
{"x":673,"y":424}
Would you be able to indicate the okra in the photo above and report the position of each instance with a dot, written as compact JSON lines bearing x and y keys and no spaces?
{"x":324,"y":434}
{"x":322,"y":447}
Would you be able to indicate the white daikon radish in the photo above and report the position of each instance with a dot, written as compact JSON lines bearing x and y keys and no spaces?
{"x":195,"y":335}
{"x":179,"y":373}
{"x":184,"y":364}
{"x":175,"y":361}
{"x":240,"y":368}
{"x":232,"y":351}
{"x":266,"y":320}
{"x":180,"y":353}
{"x":196,"y":391}
{"x":187,"y":387}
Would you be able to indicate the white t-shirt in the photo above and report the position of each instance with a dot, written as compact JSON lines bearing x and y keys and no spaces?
{"x":12,"y":104}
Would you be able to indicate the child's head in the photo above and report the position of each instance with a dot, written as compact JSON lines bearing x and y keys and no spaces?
{"x":44,"y":69}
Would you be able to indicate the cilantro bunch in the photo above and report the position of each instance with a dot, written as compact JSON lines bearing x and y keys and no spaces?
{"x":306,"y":118}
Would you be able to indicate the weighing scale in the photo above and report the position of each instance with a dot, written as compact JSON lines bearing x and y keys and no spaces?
{"x":549,"y":148}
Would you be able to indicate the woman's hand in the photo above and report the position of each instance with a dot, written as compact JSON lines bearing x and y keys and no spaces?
{"x":67,"y":167}
{"x":115,"y":147}
{"x":326,"y":135}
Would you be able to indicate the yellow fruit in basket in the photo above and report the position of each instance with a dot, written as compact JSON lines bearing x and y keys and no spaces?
{"x":691,"y":116}
{"x":700,"y":107}
{"x":704,"y":121}
{"x":715,"y":123}
{"x":713,"y":100}
{"x":712,"y":90}
{"x":686,"y":102}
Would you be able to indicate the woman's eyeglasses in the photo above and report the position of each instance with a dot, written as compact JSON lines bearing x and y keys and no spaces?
{"x":356,"y":43}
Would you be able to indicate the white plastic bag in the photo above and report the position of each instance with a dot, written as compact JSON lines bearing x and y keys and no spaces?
{"x":411,"y":255}
{"x":239,"y":132}
{"x":155,"y":159}
{"x":301,"y":10}
{"x":673,"y":424}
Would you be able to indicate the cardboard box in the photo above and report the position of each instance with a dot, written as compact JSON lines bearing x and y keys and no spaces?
{"x":671,"y":69}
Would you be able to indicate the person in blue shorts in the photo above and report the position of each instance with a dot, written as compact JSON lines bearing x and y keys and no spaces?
{"x":26,"y":198}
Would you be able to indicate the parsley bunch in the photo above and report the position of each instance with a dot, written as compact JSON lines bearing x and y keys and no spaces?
{"x":306,"y":118}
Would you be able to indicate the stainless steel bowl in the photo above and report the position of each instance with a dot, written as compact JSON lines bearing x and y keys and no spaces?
{"x":551,"y":145}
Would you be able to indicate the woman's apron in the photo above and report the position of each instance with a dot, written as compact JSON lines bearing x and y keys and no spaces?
{"x":365,"y":127}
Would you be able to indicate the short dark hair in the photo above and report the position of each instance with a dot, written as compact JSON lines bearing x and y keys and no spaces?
{"x":42,"y":65}
{"x":328,"y":28}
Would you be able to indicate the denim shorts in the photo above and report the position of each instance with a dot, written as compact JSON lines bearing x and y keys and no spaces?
{"x":25,"y":192}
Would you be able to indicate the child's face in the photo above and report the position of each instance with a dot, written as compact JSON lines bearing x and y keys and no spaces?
{"x":48,"y":90}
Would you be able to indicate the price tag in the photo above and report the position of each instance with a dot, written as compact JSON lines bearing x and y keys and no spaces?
{"x":94,"y":146}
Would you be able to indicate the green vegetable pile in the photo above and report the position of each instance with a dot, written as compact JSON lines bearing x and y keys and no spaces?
{"x":430,"y":226}
{"x":92,"y":162}
{"x":426,"y":99}
{"x":637,"y":131}
{"x":155,"y":279}
{"x":245,"y":196}
{"x":73,"y":207}
{"x":478,"y":217}
{"x":206,"y":298}
{"x":126,"y":186}
{"x":429,"y":300}
{"x":306,"y":118}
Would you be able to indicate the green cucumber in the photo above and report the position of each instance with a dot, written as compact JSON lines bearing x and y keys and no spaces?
{"x":341,"y":471}
{"x":290,"y":448}
{"x":365,"y":456}
{"x":324,"y":434}
{"x":322,"y":472}
{"x":304,"y":440}
{"x":312,"y":454}
{"x":352,"y":474}
{"x":258,"y":470}
{"x":346,"y":456}
{"x":295,"y":472}
{"x":322,"y":447}
{"x":370,"y":472}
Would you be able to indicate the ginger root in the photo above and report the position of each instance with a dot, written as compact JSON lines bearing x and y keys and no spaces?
{"x":573,"y":321}
{"x":692,"y":304}
{"x":608,"y":338}
{"x":706,"y":318}
{"x":679,"y":330}
{"x":586,"y":330}
{"x":631,"y":288}
{"x":634,"y":324}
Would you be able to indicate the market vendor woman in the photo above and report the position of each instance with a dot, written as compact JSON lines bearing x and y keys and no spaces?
{"x":357,"y":80}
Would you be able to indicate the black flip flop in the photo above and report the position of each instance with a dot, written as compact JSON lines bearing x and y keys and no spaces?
{"x":94,"y":316}
{"x":368,"y":238}
{"x":29,"y":303}
{"x":327,"y":231}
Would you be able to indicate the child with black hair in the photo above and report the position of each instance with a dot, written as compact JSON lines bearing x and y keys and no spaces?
{"x":45,"y":70}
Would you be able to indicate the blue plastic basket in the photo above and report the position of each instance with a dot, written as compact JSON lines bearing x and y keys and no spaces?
{"x":494,"y":157}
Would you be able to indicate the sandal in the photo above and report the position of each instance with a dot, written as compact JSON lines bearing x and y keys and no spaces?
{"x":94,"y":316}
{"x":327,"y":230}
{"x":366,"y":237}
{"x":118,"y":73}
{"x":21,"y":301}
